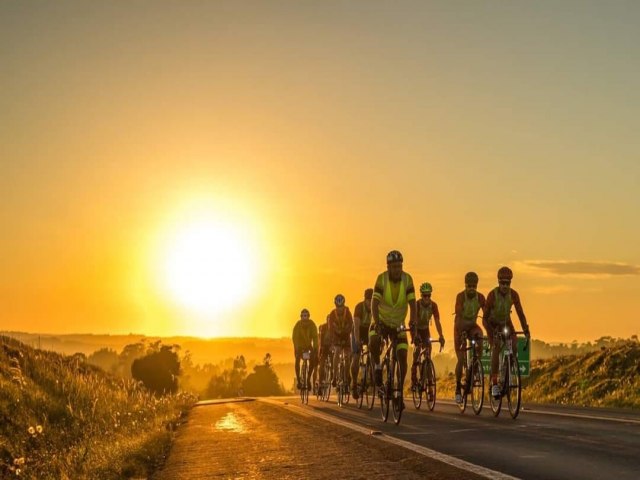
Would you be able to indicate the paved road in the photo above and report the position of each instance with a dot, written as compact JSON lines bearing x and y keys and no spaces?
{"x":543,"y":443}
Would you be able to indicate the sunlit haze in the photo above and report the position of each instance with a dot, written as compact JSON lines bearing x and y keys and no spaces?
{"x":210,"y":168}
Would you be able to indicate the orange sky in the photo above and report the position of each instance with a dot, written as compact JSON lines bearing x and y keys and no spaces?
{"x":324,"y":135}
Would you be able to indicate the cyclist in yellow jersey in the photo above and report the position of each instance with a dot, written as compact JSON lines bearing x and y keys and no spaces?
{"x":361,"y":324}
{"x":305,"y":338}
{"x":393,"y":295}
{"x":469,"y":302}
{"x":420,"y":332}
{"x":497,"y":314}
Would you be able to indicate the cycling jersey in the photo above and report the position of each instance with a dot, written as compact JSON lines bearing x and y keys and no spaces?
{"x":467,"y":309}
{"x":425,"y":313}
{"x":305,"y":335}
{"x":325,"y":339}
{"x":365,"y":317}
{"x":340,"y":326}
{"x":498,"y":309}
{"x":394,"y":298}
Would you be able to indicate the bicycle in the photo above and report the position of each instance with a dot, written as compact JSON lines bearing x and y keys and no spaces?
{"x":472,"y":377}
{"x":366,"y":383}
{"x":304,"y":391}
{"x":509,"y":380}
{"x":426,"y":381}
{"x":342,"y":385}
{"x":390,"y":392}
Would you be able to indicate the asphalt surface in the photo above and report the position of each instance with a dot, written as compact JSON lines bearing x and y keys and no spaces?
{"x":542,"y":443}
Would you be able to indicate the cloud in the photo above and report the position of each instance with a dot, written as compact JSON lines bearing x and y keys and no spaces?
{"x":588,"y":269}
{"x":553,"y":289}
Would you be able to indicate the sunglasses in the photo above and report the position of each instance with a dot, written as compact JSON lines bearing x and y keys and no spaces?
{"x":505,"y":282}
{"x":472,"y":286}
{"x":426,"y":295}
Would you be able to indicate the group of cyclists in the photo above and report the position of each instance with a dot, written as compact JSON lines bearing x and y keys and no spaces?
{"x":380,"y":317}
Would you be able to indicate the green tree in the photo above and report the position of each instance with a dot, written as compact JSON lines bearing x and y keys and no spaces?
{"x":263,"y":381}
{"x":158,"y":370}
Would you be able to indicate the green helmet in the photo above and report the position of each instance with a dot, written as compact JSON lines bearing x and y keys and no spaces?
{"x":426,"y":288}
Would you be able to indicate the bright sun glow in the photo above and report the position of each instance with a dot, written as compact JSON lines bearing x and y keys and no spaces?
{"x":209,"y":266}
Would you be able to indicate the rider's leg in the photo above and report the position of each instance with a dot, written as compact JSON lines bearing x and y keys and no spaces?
{"x":460,"y":353}
{"x":347,"y":356}
{"x":297,"y":363}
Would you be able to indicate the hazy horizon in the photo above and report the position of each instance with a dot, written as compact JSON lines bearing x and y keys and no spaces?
{"x":210,"y":168}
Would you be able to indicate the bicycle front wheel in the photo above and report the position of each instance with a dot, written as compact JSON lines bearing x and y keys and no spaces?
{"x":385,"y":391}
{"x":477,"y":386}
{"x":397,"y":398}
{"x":430,"y":384}
{"x":514,"y":392}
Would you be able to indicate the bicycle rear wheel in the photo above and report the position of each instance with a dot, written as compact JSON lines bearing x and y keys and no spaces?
{"x":370,"y":390}
{"x":397,"y":397}
{"x":514,"y":390}
{"x":385,"y":391}
{"x":464,"y":388}
{"x":477,"y":386}
{"x":430,"y":385}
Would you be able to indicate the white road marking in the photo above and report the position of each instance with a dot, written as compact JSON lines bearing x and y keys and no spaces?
{"x":427,"y":452}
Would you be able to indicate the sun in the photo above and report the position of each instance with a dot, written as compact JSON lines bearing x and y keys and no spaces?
{"x":209,"y":266}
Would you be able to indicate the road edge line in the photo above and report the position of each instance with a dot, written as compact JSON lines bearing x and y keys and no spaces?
{"x":427,"y":452}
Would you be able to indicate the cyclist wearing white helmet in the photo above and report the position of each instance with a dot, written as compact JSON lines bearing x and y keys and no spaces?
{"x":393,"y":295}
{"x":469,"y":302}
{"x":498,"y":315}
{"x":420,"y":333}
{"x":340,"y":330}
{"x":305,"y":338}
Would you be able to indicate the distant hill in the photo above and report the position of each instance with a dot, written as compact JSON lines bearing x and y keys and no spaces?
{"x":202,"y":350}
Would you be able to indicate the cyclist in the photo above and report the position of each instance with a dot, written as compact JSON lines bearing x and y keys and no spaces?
{"x":340,"y":328}
{"x":305,"y":338}
{"x":497,"y":314}
{"x":468,"y":304}
{"x":361,"y":324}
{"x":420,"y":334}
{"x":393,"y":293}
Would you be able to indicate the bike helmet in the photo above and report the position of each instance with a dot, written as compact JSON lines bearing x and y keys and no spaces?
{"x":394,"y":256}
{"x":426,"y":288}
{"x":505,"y":273}
{"x":339,"y":300}
{"x":471,"y":278}
{"x":368,"y":293}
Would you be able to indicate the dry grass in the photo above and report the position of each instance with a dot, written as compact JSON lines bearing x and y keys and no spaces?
{"x":62,"y":418}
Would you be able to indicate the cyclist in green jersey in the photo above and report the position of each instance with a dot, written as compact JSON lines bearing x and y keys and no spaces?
{"x":393,"y":295}
{"x":420,"y":333}
{"x":469,"y":302}
{"x":498,"y":315}
{"x":305,"y":338}
{"x":361,"y":324}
